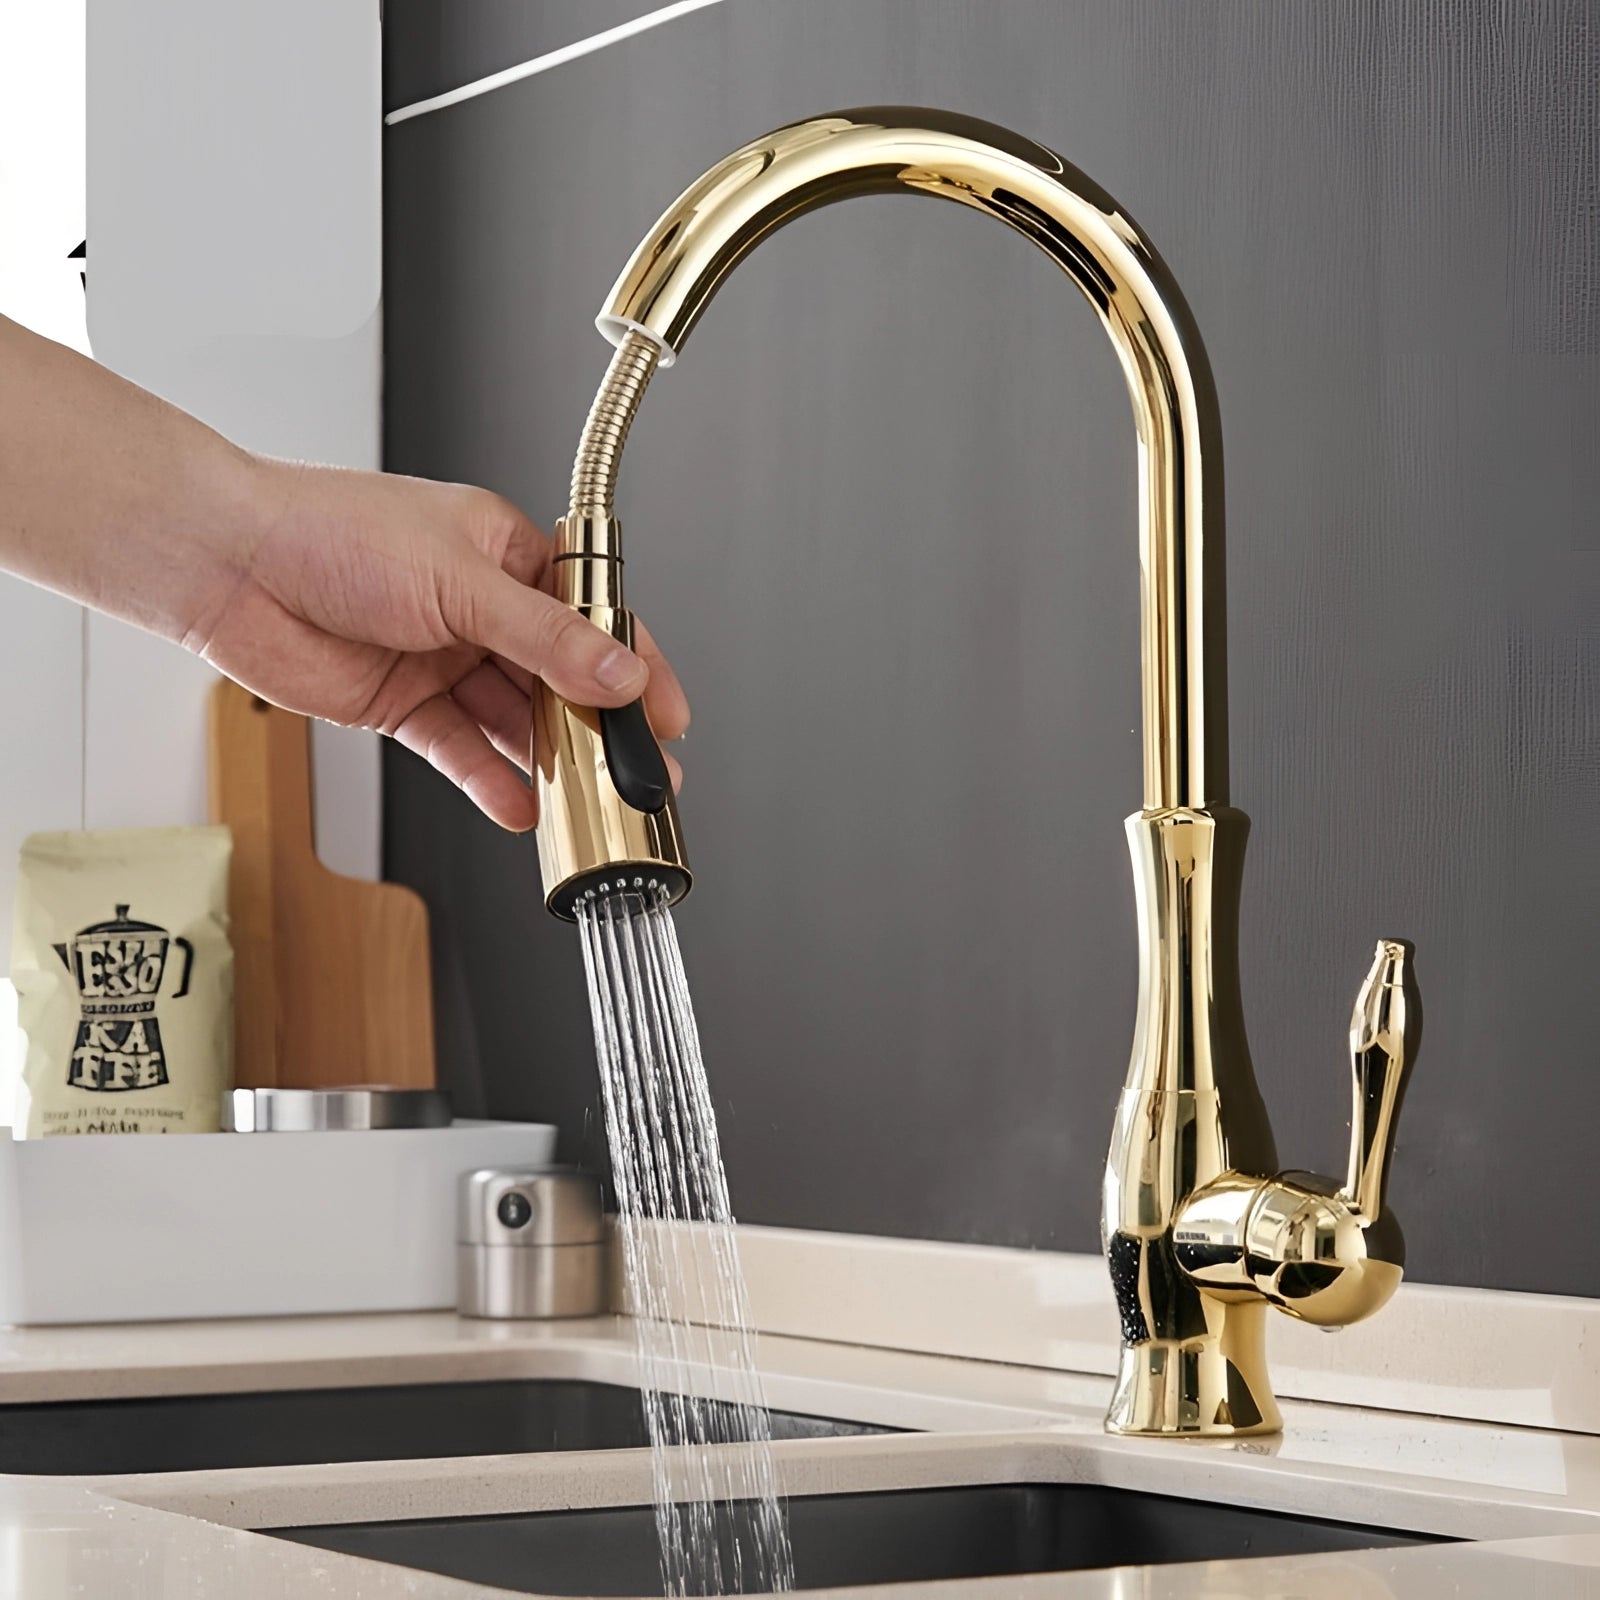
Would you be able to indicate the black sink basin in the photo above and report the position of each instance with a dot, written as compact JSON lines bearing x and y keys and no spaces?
{"x":895,"y":1536}
{"x":182,"y":1433}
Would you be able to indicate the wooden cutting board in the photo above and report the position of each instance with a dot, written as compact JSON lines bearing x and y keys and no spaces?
{"x":332,"y":980}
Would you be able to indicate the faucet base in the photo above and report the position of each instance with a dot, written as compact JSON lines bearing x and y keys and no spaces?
{"x":1215,"y":1385}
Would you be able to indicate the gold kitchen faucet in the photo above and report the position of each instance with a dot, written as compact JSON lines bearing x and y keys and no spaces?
{"x":1202,"y":1230}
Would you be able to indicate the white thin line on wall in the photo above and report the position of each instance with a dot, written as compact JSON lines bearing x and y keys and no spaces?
{"x":552,"y":58}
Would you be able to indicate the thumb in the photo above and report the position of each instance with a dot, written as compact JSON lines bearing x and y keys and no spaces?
{"x":539,"y":633}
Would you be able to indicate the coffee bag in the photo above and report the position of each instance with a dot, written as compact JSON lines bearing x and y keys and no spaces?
{"x":124,"y":979}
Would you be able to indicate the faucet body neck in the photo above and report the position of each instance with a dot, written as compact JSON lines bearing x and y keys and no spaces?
{"x":1201,"y":1232}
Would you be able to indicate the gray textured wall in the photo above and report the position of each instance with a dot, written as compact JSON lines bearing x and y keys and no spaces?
{"x":882,"y":515}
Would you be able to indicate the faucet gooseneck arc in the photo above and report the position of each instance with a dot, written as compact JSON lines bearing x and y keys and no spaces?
{"x":1202,"y":1230}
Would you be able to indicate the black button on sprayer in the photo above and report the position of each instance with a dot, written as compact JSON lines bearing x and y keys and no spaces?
{"x":637,"y":766}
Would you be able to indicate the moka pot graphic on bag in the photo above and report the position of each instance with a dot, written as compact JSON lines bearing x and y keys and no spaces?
{"x":119,"y":967}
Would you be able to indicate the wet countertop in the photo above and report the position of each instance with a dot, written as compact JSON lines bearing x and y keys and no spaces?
{"x":1528,"y":1499}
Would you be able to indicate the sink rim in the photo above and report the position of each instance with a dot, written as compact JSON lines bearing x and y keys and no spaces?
{"x":387,"y":1422}
{"x":1008,"y":1518}
{"x":260,"y":1498}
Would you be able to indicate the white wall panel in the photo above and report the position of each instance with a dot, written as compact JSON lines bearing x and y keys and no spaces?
{"x":235,"y":245}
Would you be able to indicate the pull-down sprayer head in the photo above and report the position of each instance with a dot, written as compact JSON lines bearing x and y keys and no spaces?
{"x":607,"y":817}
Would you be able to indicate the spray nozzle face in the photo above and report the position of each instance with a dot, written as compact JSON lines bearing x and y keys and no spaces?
{"x":647,"y":879}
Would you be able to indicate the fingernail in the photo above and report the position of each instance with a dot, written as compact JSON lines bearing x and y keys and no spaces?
{"x":619,"y":669}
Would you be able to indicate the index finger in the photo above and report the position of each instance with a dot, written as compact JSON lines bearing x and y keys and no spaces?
{"x":664,"y":699}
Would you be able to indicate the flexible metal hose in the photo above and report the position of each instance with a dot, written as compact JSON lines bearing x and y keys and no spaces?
{"x":594,"y":472}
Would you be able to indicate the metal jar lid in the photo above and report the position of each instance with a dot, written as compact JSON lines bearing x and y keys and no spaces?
{"x":556,"y":1206}
{"x":356,"y":1107}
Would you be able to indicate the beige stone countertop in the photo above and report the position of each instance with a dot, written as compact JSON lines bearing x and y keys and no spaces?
{"x":1527,"y":1501}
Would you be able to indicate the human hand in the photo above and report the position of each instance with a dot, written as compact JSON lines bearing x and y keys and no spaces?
{"x":415,"y":608}
{"x":412,"y":607}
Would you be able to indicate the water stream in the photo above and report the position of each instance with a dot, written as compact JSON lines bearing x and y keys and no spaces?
{"x":721,"y":1522}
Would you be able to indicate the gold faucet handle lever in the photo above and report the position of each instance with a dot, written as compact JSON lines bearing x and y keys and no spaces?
{"x":1385,"y":1032}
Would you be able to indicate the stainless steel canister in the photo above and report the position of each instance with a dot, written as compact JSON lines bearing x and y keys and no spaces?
{"x":531,"y":1244}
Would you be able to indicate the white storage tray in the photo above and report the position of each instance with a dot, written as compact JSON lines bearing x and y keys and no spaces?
{"x":136,"y":1227}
